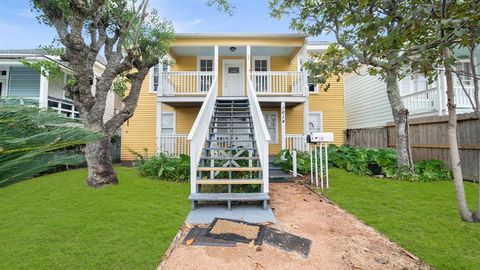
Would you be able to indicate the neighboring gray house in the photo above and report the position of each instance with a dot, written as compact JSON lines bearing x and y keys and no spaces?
{"x":367,"y":105}
{"x":24,"y":83}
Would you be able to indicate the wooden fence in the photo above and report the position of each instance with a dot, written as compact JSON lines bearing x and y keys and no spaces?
{"x":429,"y":140}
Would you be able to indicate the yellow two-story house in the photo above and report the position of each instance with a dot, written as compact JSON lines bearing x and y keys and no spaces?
{"x":214,"y":94}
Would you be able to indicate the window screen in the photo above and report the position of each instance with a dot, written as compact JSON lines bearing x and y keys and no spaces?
{"x":168,"y":123}
{"x":315,"y":122}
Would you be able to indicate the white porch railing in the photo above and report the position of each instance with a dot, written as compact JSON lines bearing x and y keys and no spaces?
{"x":184,"y":83}
{"x":461,"y":99}
{"x":199,"y":132}
{"x":261,"y":133}
{"x":422,"y":101}
{"x":279,"y":82}
{"x":296,"y":142}
{"x":174,"y":144}
{"x":63,"y":106}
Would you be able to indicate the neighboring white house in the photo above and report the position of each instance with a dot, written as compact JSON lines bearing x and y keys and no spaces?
{"x":367,"y":105}
{"x":24,"y":83}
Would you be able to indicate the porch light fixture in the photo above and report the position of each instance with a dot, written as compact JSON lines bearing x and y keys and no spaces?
{"x":233,"y":49}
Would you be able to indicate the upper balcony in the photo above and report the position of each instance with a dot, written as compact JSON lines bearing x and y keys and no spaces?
{"x":271,"y":64}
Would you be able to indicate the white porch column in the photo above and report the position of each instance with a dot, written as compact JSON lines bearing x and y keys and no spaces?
{"x":283,"y":119}
{"x":159,"y":125}
{"x":215,"y":61}
{"x":305,"y":90}
{"x":249,"y":61}
{"x":43,"y":93}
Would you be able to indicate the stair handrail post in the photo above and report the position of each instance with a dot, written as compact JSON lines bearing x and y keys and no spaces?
{"x":261,"y":133}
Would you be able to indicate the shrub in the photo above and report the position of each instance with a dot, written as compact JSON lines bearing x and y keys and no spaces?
{"x":360,"y":161}
{"x":163,"y":166}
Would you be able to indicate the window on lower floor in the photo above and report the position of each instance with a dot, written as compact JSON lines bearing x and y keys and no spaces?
{"x":168,"y":123}
{"x":271,"y":119}
{"x":315,"y":122}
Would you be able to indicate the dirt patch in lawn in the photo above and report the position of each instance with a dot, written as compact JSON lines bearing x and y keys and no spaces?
{"x":229,"y":227}
{"x":339,"y":241}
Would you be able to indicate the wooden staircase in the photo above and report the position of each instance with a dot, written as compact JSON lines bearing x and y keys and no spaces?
{"x":230,"y":156}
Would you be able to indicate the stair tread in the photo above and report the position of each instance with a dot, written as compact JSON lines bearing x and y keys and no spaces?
{"x":228,"y":196}
{"x":230,"y":182}
{"x":231,"y":158}
{"x":228,"y":148}
{"x":231,"y":127}
{"x":229,"y":169}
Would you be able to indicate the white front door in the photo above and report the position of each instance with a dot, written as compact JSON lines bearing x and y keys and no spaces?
{"x":233,"y":78}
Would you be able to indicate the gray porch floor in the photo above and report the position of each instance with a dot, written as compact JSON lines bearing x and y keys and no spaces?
{"x":253,"y":214}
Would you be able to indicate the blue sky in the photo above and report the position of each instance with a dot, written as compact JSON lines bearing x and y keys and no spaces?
{"x":20,"y":29}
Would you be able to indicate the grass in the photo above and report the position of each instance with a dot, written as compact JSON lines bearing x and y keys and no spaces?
{"x":421,"y":217}
{"x":57,"y":222}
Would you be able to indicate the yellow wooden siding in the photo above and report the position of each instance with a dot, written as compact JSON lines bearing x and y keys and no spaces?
{"x":331,"y":104}
{"x":139,"y":132}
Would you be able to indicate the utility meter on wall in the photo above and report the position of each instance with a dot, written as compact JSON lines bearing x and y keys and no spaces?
{"x":320,"y":137}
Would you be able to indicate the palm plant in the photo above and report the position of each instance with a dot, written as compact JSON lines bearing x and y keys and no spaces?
{"x":33,"y":141}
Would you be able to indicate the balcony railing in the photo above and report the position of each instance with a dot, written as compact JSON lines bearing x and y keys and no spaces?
{"x":422,"y":101}
{"x":174,"y":144}
{"x":461,"y":98}
{"x":279,"y":82}
{"x":184,"y":83}
{"x":63,"y":106}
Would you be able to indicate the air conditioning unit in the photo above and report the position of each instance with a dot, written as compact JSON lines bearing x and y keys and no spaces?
{"x":320,"y":137}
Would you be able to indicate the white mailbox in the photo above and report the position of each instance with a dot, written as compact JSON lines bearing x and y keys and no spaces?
{"x":320,"y":137}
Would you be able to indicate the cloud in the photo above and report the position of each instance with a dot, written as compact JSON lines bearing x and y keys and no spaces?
{"x":195,"y":22}
{"x":28,"y":14}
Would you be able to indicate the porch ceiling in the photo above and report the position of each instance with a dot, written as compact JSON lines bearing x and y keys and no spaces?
{"x":282,"y":51}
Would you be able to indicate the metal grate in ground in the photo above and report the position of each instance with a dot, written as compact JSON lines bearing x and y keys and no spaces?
{"x":287,"y":241}
{"x":200,"y":239}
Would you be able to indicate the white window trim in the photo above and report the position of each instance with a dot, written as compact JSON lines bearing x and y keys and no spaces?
{"x":299,"y":65}
{"x":6,"y":80}
{"x":269,"y":67}
{"x":276,"y":125}
{"x":321,"y":119}
{"x":455,"y":80}
{"x":199,"y":58}
{"x":160,"y":69}
{"x":174,"y":122}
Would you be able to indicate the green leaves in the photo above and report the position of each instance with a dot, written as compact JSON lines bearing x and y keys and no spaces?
{"x":33,"y":141}
{"x":163,"y":166}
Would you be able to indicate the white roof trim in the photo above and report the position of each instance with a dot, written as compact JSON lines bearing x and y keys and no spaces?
{"x":241,"y":35}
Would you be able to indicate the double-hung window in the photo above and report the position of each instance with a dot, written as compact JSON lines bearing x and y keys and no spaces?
{"x":271,"y":119}
{"x":315,"y":122}
{"x":168,"y":123}
{"x":312,"y":86}
{"x":162,"y":66}
{"x":261,"y":64}
{"x":205,"y":64}
{"x":463,"y":70}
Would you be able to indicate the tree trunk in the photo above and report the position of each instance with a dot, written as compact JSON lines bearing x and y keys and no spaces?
{"x":400,"y":118}
{"x":473,"y":70}
{"x":465,"y":213}
{"x":99,"y":162}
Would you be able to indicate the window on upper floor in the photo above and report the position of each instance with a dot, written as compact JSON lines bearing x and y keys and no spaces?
{"x":312,"y":86}
{"x":205,"y":64}
{"x":164,"y":66}
{"x":261,"y":64}
{"x":463,"y":69}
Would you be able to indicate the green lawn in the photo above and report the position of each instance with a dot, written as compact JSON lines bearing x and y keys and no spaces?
{"x":421,"y":217}
{"x":57,"y":222}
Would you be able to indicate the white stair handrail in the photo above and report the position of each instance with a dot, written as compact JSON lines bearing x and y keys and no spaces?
{"x":199,"y":131}
{"x":262,"y":136}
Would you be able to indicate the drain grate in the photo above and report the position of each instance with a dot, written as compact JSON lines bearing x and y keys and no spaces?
{"x":200,"y":239}
{"x":287,"y":241}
